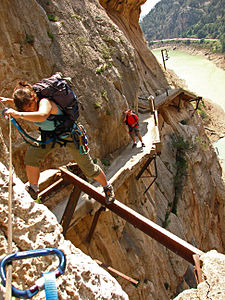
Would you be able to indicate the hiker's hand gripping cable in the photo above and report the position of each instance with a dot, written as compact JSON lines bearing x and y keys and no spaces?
{"x":6,"y":100}
{"x":13,"y":113}
{"x":31,"y":113}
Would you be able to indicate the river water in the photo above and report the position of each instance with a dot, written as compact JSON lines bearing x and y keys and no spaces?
{"x":202,"y":77}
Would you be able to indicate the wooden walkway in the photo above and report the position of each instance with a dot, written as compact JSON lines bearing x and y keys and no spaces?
{"x":128,"y":162}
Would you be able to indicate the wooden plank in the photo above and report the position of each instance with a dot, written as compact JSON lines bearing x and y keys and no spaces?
{"x":173,"y":93}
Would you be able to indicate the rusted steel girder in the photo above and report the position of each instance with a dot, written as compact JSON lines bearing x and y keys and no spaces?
{"x":118,"y":273}
{"x":197,"y":268}
{"x":145,"y":167}
{"x":163,"y":236}
{"x":70,"y":208}
{"x":94,"y":223}
{"x":51,"y":190}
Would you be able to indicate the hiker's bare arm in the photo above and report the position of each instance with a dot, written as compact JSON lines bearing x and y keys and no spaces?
{"x":6,"y":100}
{"x":125,"y":116}
{"x":45,"y":109}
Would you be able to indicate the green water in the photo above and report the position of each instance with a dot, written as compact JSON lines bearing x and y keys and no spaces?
{"x":202,"y":77}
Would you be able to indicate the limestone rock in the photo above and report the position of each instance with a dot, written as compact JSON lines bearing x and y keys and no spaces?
{"x":213,"y":285}
{"x":103,"y":50}
{"x":34,"y":227}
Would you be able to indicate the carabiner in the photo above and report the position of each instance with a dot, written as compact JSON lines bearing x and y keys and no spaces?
{"x":3,"y":113}
{"x":39,"y":285}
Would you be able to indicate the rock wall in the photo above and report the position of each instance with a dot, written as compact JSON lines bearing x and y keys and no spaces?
{"x":126,"y":14}
{"x":35,"y":227}
{"x":212,"y":286}
{"x":78,"y":39}
{"x":110,"y":65}
{"x":84,"y":44}
{"x":187,"y":199}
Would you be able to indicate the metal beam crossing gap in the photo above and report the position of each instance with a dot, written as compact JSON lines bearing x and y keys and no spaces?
{"x":163,"y":236}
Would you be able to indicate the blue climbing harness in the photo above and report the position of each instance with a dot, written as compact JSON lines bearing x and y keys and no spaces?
{"x":79,"y":137}
{"x":47,"y":282}
{"x":24,"y":134}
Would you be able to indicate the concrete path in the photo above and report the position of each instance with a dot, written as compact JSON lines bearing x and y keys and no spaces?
{"x":121,"y":167}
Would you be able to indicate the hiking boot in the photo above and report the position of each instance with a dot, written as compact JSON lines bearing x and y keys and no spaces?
{"x":142,"y":144}
{"x":134,"y":145}
{"x":32,"y":193}
{"x":109,"y":194}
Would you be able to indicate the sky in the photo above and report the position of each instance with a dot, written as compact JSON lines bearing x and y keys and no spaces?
{"x":145,"y":8}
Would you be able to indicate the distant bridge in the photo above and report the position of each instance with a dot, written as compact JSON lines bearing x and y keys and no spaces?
{"x":183,"y":39}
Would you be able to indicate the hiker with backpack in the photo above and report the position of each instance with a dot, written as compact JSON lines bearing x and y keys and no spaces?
{"x":131,"y":120}
{"x":57,"y":128}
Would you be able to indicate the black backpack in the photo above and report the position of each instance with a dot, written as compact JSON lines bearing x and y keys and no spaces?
{"x":56,"y":89}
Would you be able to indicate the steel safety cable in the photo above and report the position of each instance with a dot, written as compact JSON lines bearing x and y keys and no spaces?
{"x":8,"y":295}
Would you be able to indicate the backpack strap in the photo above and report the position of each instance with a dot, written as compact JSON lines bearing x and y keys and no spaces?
{"x":135,"y":117}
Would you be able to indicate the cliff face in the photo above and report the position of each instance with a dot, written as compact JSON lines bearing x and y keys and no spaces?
{"x":83,"y":43}
{"x":126,"y":15}
{"x":173,"y":19}
{"x":186,"y":199}
{"x":102,"y":49}
{"x":35,"y":227}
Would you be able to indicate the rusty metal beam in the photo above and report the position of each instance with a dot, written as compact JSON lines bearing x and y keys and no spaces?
{"x":94,"y":223}
{"x":51,"y":190}
{"x":166,"y":238}
{"x":149,"y":160}
{"x":145,"y":168}
{"x":197,"y":268}
{"x":118,"y":273}
{"x":70,"y":208}
{"x":153,"y":176}
{"x":198,"y":99}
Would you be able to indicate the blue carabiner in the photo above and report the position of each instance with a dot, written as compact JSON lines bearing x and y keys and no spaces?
{"x":29,"y":293}
{"x":3,"y":113}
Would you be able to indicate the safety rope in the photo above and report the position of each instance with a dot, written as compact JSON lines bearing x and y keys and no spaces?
{"x":6,"y":275}
{"x":8,"y":295}
{"x":25,"y":135}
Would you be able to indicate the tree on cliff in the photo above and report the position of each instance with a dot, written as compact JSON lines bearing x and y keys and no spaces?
{"x":187,"y":18}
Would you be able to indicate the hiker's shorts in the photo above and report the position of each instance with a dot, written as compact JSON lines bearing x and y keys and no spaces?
{"x":35,"y":155}
{"x":134,"y":131}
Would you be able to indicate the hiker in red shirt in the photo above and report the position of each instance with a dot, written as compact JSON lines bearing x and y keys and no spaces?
{"x":131,"y":120}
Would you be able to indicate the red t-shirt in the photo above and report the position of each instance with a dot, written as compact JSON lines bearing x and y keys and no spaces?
{"x":131,"y":119}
